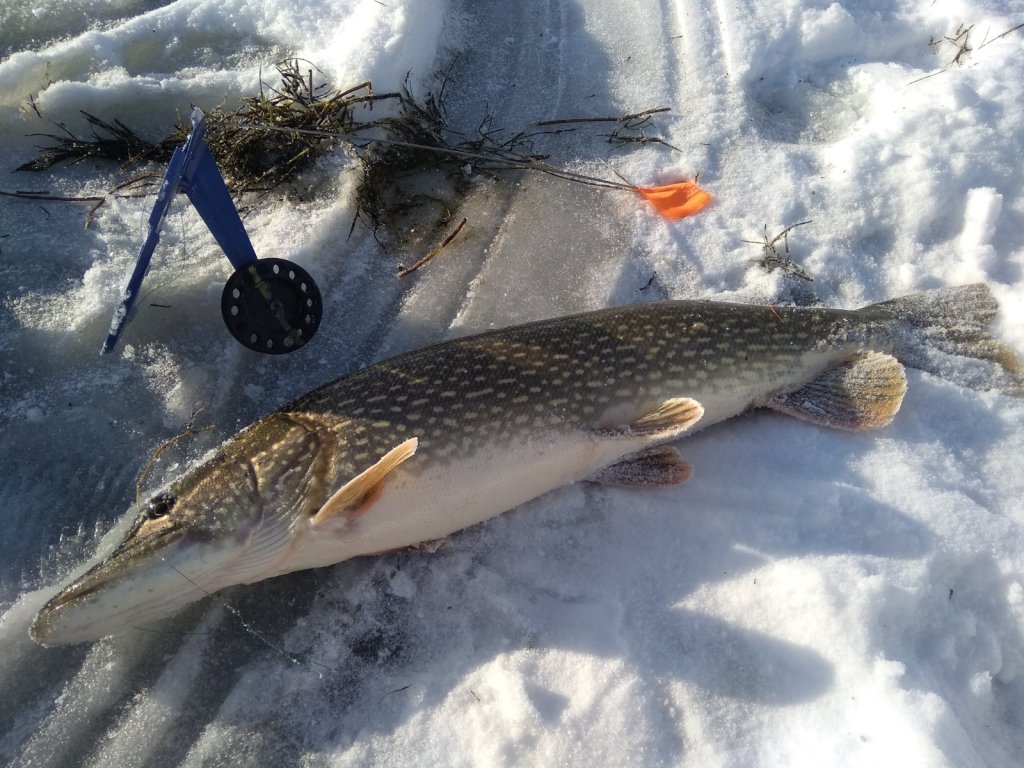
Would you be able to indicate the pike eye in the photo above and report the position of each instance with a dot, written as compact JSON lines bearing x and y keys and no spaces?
{"x":160,"y":506}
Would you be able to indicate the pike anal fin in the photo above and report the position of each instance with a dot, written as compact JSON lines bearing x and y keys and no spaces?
{"x":862,"y":393}
{"x":657,"y":467}
{"x":359,"y":493}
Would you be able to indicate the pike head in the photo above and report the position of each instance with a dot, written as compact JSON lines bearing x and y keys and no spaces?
{"x":231,"y":520}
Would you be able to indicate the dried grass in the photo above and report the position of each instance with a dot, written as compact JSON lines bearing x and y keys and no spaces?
{"x":412,"y":162}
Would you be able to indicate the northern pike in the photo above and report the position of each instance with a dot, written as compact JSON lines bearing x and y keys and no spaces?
{"x":421,"y":445}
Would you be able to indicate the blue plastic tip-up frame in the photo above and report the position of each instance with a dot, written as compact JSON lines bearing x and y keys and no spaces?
{"x":270,"y":305}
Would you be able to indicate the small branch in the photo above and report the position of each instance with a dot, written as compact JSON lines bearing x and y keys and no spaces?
{"x":650,"y":282}
{"x":96,"y":201}
{"x":189,"y":432}
{"x":997,"y":37}
{"x":961,"y":41}
{"x":49,"y":198}
{"x":397,"y":690}
{"x":621,"y":119}
{"x":929,"y":75}
{"x":772,"y":259}
{"x":426,"y":259}
{"x":783,"y":235}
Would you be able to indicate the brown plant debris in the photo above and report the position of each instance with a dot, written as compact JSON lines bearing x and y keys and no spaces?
{"x":250,"y":160}
{"x":405,"y":271}
{"x":412,"y":162}
{"x":189,"y":432}
{"x":95,"y":201}
{"x":960,"y":41}
{"x":253,"y":160}
{"x":771,"y":259}
{"x":1001,"y":35}
{"x":626,"y":129}
{"x":110,"y":141}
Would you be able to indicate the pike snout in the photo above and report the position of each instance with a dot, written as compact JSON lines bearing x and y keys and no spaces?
{"x":229,"y":521}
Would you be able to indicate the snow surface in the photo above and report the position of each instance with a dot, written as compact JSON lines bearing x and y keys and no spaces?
{"x":808,"y":598}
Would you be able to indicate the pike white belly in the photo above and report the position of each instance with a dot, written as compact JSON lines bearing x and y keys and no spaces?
{"x":419,"y":504}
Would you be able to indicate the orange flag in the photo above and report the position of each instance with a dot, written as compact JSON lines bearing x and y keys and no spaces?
{"x":676,"y":201}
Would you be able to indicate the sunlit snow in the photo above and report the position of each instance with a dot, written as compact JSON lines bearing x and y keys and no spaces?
{"x":809,"y":598}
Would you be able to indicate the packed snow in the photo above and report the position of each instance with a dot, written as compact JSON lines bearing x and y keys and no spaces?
{"x":808,"y":598}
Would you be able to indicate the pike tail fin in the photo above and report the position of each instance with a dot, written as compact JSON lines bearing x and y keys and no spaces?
{"x":946,"y":332}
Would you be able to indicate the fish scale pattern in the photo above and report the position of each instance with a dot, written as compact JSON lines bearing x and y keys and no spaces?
{"x":566,"y":372}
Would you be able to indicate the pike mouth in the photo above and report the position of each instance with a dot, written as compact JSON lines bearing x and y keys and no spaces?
{"x":160,"y":566}
{"x":105,"y":572}
{"x":129,"y":559}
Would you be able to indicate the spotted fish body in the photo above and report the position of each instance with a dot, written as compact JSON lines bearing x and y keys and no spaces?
{"x":503,"y":417}
{"x":421,"y":445}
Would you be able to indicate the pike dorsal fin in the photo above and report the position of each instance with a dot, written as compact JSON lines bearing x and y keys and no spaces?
{"x":356,"y":496}
{"x":667,"y":421}
{"x":863,"y":393}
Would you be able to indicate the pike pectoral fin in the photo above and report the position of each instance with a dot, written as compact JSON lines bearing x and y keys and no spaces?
{"x":359,"y":493}
{"x":657,"y":467}
{"x":671,"y":419}
{"x":862,"y":393}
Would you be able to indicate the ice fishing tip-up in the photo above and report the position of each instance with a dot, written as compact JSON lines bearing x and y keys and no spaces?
{"x":269,"y":305}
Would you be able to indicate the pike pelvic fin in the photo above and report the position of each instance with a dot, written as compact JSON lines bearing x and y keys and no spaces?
{"x":657,"y":467}
{"x":669,"y":420}
{"x":357,"y":495}
{"x":862,"y":393}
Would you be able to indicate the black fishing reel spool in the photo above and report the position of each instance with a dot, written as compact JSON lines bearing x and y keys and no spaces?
{"x":271,"y":306}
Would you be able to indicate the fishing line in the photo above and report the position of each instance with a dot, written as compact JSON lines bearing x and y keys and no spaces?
{"x":673,"y":201}
{"x":176,"y":633}
{"x":494,"y":162}
{"x":247,"y":626}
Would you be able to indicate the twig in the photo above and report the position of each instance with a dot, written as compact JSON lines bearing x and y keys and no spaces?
{"x":636,"y":121}
{"x":147,"y":178}
{"x":1004,"y":34}
{"x":961,"y":40}
{"x":49,"y":197}
{"x":783,"y":235}
{"x":929,"y":75}
{"x":426,"y":259}
{"x":772,"y":259}
{"x":397,"y":690}
{"x":366,"y":85}
{"x":621,"y":119}
{"x":96,"y":201}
